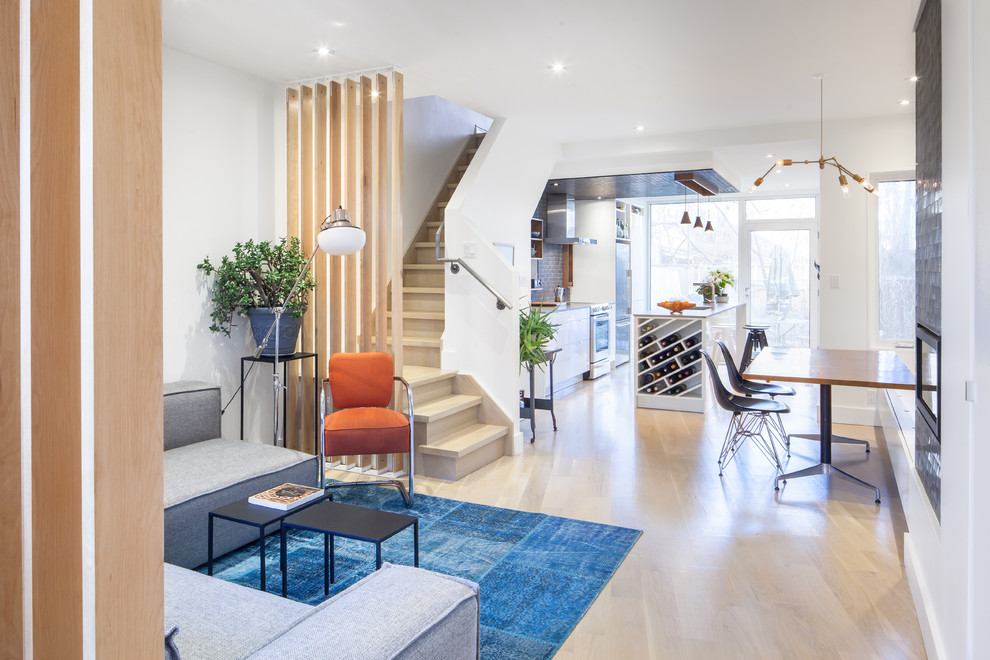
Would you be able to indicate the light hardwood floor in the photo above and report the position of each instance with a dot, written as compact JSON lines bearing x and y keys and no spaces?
{"x":726,"y":567}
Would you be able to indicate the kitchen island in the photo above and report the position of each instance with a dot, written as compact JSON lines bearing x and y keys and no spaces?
{"x":669,"y":372}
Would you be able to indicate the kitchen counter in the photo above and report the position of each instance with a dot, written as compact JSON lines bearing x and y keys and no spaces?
{"x":694,"y":313}
{"x":563,"y":305}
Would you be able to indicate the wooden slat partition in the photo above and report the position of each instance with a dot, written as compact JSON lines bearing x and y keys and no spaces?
{"x":336,"y":199}
{"x":367,"y":214}
{"x":381,"y":213}
{"x":11,"y":570}
{"x":344,"y":151}
{"x":293,"y":108}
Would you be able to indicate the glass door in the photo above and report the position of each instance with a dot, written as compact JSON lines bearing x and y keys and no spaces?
{"x":783,"y":281}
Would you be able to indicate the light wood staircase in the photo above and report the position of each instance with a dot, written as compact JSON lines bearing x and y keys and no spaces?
{"x":457,"y":429}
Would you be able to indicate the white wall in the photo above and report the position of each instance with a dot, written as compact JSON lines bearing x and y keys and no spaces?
{"x":947,"y":562}
{"x":434,"y":133}
{"x":594,"y":265}
{"x":494,"y":204}
{"x":864,"y":146}
{"x":219,"y":173}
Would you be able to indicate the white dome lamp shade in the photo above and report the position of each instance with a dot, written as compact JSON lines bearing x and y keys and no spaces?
{"x":341,"y":237}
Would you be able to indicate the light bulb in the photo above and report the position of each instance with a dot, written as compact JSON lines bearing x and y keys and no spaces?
{"x":844,"y":183}
{"x":756,"y":184}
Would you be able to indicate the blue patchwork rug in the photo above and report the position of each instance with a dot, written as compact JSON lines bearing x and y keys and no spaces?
{"x":539,"y":574}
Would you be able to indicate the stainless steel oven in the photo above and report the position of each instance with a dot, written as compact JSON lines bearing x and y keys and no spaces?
{"x":600,"y":340}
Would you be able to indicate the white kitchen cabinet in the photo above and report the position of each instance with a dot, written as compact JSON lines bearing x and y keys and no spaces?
{"x":573,"y":337}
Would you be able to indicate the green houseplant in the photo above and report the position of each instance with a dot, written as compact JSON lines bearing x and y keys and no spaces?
{"x":719,"y":280}
{"x":535,"y":332}
{"x":253,"y":280}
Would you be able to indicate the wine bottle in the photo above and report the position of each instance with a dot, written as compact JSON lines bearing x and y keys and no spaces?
{"x":690,"y":341}
{"x":670,"y":339}
{"x":677,"y":348}
{"x":677,"y":389}
{"x":693,"y":356}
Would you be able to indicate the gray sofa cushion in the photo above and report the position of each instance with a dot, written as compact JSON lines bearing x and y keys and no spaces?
{"x":210,"y":465}
{"x":396,"y":612}
{"x":192,"y":412}
{"x":221,"y":620}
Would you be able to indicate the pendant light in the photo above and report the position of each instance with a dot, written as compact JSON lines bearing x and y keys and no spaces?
{"x":686,"y":218}
{"x":697,"y":218}
{"x":822,"y":160}
{"x":708,"y":225}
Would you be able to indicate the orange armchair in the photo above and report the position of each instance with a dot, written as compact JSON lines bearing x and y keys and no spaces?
{"x":361,"y":389}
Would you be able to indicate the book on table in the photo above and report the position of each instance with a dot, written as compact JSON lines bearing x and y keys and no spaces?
{"x":286,"y":496}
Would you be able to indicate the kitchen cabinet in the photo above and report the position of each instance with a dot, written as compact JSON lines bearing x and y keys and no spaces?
{"x":669,"y":372}
{"x":573,"y":337}
{"x":536,"y":238}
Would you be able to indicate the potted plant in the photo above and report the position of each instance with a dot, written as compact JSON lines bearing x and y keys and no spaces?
{"x":716,"y":284}
{"x":535,"y":332}
{"x":253,"y":281}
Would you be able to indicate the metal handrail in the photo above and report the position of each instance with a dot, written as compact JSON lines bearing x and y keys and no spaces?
{"x":457,"y":263}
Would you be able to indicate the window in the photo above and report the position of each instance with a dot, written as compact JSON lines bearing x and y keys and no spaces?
{"x":682,"y":255}
{"x":787,"y":208}
{"x":895,"y":260}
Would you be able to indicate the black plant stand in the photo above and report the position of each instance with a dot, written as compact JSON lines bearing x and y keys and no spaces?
{"x":283,"y":361}
{"x":532,"y":404}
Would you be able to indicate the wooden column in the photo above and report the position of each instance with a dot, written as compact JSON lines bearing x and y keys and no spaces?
{"x":336,"y":306}
{"x":350,"y":202}
{"x":381,"y":214}
{"x":367,"y":216}
{"x":12,"y":567}
{"x":319,"y":299}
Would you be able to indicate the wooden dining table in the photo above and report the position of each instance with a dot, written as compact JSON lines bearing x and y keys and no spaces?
{"x":825,"y":368}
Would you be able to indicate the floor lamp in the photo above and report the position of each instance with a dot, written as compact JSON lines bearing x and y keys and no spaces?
{"x":336,"y":238}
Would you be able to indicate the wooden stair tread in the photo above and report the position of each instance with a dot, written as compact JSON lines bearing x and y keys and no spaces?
{"x":423,"y":289}
{"x":420,"y":375}
{"x":445,"y":406}
{"x":431,"y":266}
{"x":413,"y":314}
{"x":441,"y":205}
{"x":426,"y":244}
{"x":422,"y":342}
{"x":463,"y":442}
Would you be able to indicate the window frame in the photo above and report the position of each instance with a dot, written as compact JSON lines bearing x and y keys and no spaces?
{"x":873,"y":264}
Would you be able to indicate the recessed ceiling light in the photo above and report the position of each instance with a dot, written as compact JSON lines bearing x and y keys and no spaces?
{"x":905,"y":102}
{"x":769,"y":155}
{"x":913,"y":79}
{"x":787,"y":185}
{"x":599,"y":197}
{"x":558,"y":67}
{"x":555,"y":184}
{"x":641,"y":128}
{"x":778,"y":171}
{"x":323,"y":51}
{"x":338,"y":24}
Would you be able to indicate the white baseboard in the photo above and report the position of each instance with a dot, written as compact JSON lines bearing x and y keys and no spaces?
{"x":922,"y":600}
{"x":855,"y":415}
{"x":515,"y":445}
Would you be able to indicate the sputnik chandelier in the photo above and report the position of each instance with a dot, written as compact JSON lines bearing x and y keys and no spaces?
{"x":822,"y":160}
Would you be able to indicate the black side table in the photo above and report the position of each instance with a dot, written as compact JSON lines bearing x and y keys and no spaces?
{"x":283,"y":360}
{"x":254,"y":515}
{"x":353,"y":522}
{"x":531,"y":404}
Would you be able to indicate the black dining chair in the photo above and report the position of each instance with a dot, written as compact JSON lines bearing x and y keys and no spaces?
{"x":752,"y":418}
{"x":752,"y":387}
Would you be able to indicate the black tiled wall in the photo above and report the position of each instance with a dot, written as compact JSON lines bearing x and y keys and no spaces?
{"x":928,"y":154}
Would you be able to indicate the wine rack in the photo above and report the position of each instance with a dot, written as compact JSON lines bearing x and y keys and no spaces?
{"x":669,"y":373}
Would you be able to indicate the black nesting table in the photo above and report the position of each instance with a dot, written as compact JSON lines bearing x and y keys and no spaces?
{"x":254,"y":515}
{"x":354,"y":522}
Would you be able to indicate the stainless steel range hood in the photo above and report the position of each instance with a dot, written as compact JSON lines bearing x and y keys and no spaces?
{"x":560,"y":222}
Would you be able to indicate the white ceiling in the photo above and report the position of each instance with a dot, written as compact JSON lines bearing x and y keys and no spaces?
{"x":672,"y":67}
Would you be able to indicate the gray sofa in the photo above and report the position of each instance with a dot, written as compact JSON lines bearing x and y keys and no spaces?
{"x":204,"y":471}
{"x":396,"y":612}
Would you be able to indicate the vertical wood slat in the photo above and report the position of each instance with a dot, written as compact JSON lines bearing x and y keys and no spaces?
{"x":127,"y":321}
{"x":11,"y":569}
{"x":352,"y":199}
{"x":336,"y":305}
{"x":397,"y":236}
{"x":293,"y":183}
{"x":320,"y":297}
{"x":301,"y":392}
{"x":56,"y":520}
{"x":381,"y":223}
{"x":367,"y":215}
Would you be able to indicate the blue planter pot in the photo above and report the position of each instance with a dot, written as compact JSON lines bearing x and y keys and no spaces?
{"x":262,"y":318}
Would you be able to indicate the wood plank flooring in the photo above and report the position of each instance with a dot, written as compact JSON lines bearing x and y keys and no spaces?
{"x":726,"y":567}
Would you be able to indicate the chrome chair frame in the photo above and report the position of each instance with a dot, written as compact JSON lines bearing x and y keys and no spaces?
{"x":406,"y":495}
